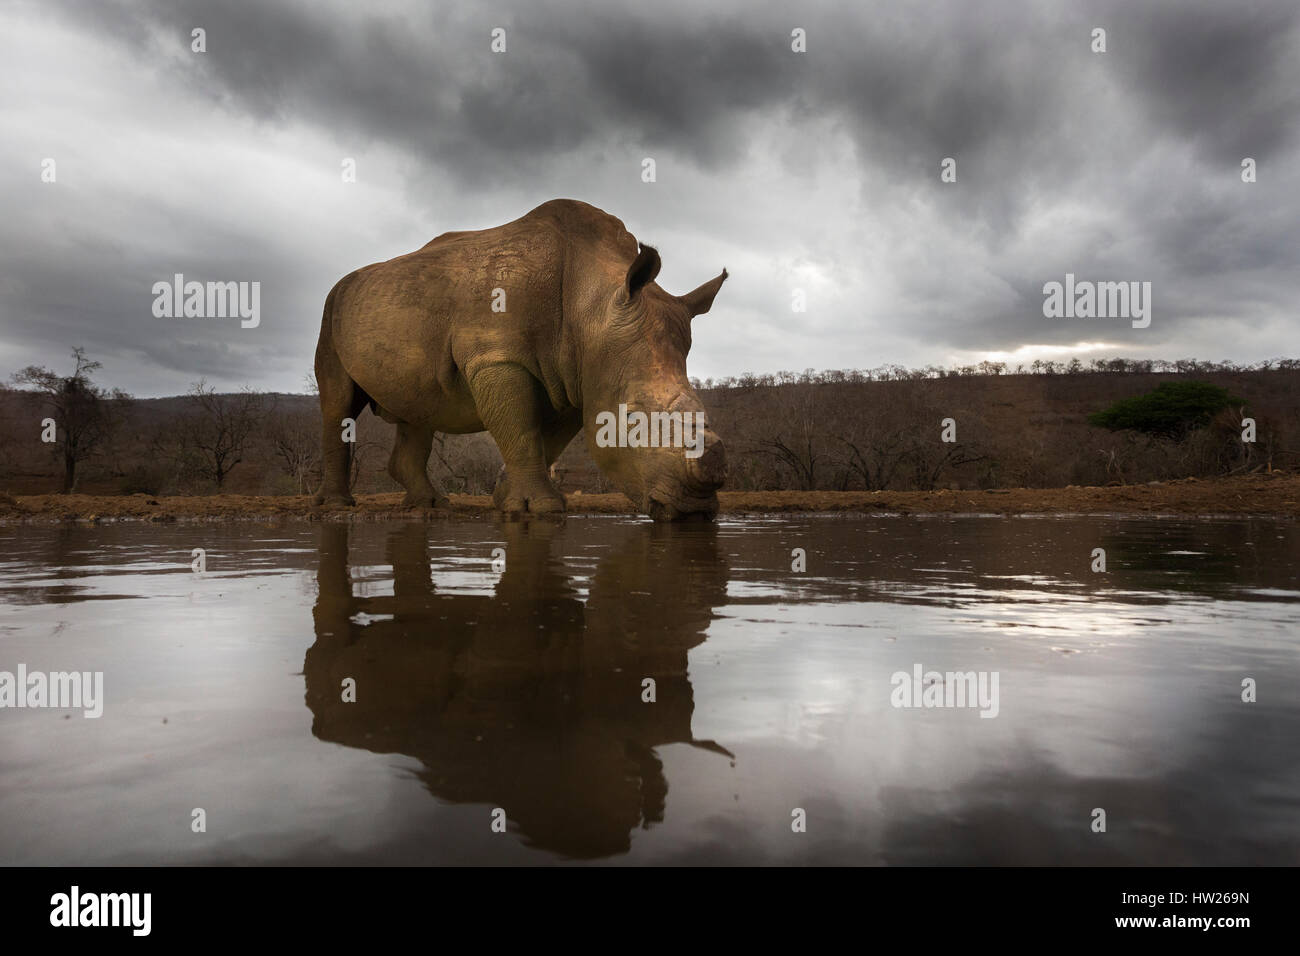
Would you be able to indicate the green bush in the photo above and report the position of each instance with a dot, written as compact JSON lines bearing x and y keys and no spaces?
{"x":1173,"y":410}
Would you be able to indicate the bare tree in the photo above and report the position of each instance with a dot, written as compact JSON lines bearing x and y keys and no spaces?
{"x":874,"y":457}
{"x":874,"y":438}
{"x":927,"y":407}
{"x":929,"y":457}
{"x":9,"y":440}
{"x":295,"y":440}
{"x":362,"y":451}
{"x":220,"y":428}
{"x":84,"y":413}
{"x":795,"y":444}
{"x":467,"y":464}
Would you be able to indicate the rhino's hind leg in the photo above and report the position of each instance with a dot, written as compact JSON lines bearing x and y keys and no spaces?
{"x":509,"y":402}
{"x":340,"y":398}
{"x":408,"y":466}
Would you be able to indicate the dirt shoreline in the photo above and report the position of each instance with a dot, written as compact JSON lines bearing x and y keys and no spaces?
{"x":1275,"y":494}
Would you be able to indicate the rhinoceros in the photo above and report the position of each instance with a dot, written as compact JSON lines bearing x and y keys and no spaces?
{"x":531,"y":331}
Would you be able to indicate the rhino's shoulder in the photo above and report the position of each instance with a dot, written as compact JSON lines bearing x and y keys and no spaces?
{"x":576,"y":214}
{"x":571,"y":218}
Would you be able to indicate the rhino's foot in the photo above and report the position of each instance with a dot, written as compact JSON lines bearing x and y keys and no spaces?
{"x":533,"y":504}
{"x":426,"y":499}
{"x":335,"y":501}
{"x":546,"y":504}
{"x":538,"y":500}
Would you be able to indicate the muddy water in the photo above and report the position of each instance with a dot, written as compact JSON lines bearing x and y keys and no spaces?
{"x":523,"y":689}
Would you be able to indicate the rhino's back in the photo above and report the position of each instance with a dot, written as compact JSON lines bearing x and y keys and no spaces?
{"x":411,"y":325}
{"x":525,"y":253}
{"x":573,"y":222}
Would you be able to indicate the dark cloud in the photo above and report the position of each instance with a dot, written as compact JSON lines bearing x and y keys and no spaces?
{"x":1222,"y":78}
{"x":819,"y":169}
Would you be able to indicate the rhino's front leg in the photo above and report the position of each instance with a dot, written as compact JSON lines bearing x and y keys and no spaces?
{"x":509,"y":402}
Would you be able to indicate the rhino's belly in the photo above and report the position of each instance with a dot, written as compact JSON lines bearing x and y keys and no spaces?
{"x":407,"y":385}
{"x":443,"y":410}
{"x":407,"y":372}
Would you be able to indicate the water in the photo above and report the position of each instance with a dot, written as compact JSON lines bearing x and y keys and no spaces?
{"x":523,"y":690}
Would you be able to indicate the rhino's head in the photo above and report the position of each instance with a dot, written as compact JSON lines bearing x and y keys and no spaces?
{"x":645,"y":425}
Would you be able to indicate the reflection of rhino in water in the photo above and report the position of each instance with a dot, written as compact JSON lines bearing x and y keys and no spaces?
{"x":528,"y":700}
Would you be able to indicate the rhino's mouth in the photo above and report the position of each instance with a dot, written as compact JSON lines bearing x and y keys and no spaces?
{"x":679,"y":508}
{"x":681,"y":498}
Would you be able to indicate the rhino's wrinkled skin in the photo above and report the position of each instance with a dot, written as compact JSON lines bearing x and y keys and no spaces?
{"x":585,"y":329}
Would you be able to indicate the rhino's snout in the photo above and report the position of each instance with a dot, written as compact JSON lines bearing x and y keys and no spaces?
{"x":707,"y":472}
{"x":690,"y":491}
{"x":662,"y":454}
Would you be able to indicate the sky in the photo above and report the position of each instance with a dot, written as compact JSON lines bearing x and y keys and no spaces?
{"x":813,"y":175}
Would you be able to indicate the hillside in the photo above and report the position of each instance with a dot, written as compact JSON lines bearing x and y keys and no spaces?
{"x":812,"y":433}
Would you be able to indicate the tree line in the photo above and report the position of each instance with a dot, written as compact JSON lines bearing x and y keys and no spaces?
{"x":1075,"y":366}
{"x":890,"y":428}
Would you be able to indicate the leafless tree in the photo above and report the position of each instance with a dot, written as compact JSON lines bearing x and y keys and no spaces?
{"x":84,"y":413}
{"x":466,"y":464}
{"x":873,"y":440}
{"x":220,"y":428}
{"x":362,"y":452}
{"x":795,"y":440}
{"x":295,"y":441}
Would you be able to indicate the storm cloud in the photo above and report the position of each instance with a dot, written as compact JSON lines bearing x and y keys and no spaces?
{"x":816,"y":171}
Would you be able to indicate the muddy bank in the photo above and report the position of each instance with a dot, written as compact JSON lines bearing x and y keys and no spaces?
{"x":1275,"y":494}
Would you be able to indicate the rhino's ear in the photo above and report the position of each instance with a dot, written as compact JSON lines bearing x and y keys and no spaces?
{"x":642,"y":271}
{"x":701,"y":300}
